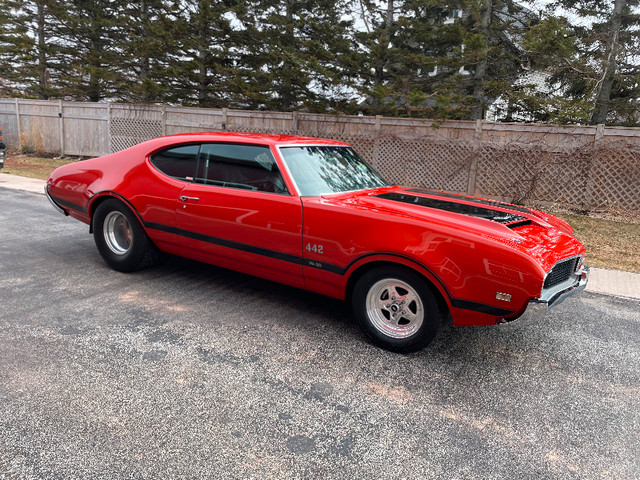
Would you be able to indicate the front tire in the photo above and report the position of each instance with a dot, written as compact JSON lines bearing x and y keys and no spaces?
{"x":120,"y":239}
{"x":396,"y":309}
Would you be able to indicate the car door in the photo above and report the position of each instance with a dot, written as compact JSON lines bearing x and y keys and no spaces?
{"x":156,"y":201}
{"x":239,"y":214}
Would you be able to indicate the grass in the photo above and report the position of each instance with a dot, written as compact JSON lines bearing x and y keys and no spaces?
{"x":33,"y":167}
{"x":609,"y":243}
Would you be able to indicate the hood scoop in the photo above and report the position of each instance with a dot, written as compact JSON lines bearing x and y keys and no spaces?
{"x":450,"y":205}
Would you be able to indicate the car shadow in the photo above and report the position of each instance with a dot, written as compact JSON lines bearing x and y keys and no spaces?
{"x":256,"y":301}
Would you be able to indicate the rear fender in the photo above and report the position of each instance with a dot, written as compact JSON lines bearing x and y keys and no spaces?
{"x":100,"y":197}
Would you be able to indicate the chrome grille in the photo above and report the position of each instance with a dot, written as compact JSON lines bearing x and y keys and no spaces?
{"x":561,"y":272}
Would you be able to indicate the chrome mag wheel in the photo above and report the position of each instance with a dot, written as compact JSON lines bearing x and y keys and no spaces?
{"x":118,"y":234}
{"x":394,"y":308}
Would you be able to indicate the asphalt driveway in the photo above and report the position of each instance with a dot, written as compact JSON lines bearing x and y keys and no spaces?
{"x":190,"y":371}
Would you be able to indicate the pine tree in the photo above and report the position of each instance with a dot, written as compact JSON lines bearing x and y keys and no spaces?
{"x":30,"y":63}
{"x":553,"y":49}
{"x":147,"y":46}
{"x":443,"y":58}
{"x":609,"y":45}
{"x":201,"y":58}
{"x":297,"y":55}
{"x":92,"y":49}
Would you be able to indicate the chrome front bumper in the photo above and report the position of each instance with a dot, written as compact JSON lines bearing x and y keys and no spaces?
{"x":551,"y":298}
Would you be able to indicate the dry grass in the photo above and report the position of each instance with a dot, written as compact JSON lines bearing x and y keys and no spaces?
{"x":33,"y":167}
{"x":610,"y":244}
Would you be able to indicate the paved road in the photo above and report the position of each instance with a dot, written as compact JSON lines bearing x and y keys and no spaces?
{"x":190,"y":371}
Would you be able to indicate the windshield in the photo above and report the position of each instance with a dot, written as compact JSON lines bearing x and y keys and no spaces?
{"x":329,"y":169}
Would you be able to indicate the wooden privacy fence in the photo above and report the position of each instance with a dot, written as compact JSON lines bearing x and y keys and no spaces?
{"x":584,"y":167}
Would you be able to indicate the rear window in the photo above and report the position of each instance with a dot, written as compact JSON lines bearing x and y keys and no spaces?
{"x":177,"y":162}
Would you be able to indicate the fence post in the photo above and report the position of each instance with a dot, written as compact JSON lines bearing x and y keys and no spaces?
{"x":473,"y":167}
{"x":294,"y":122}
{"x":108,"y":107}
{"x":18,"y":122}
{"x":224,"y":118}
{"x":376,"y":141}
{"x":163,"y":114}
{"x":599,"y":133}
{"x":61,"y":127}
{"x":590,"y":181}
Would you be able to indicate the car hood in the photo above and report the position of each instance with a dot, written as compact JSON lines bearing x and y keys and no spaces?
{"x":544,"y":237}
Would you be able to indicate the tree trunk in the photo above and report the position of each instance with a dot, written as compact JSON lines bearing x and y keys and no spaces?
{"x":42,"y":54}
{"x":481,"y":68}
{"x":383,"y":40}
{"x":286,"y":93}
{"x":144,"y":59}
{"x":603,"y":93}
{"x":94,"y":91}
{"x":203,"y":78}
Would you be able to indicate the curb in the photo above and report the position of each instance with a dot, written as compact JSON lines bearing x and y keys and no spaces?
{"x":601,"y":280}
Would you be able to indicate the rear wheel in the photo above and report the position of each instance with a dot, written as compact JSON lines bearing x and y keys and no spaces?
{"x":396,"y":309}
{"x":120,"y":238}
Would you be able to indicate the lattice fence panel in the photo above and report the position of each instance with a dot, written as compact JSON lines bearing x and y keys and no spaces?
{"x":561,"y":178}
{"x":614,"y":180}
{"x":521,"y":173}
{"x":127,"y":132}
{"x":504,"y":173}
{"x":586,"y":178}
{"x":423,"y":163}
{"x":442,"y":166}
{"x":249,"y":129}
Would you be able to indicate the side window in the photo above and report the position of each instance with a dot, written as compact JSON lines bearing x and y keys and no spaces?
{"x":250,"y":167}
{"x":177,"y":162}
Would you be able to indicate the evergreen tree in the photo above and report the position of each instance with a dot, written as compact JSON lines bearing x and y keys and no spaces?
{"x":29,"y":60}
{"x":148,"y":44}
{"x":443,"y":58}
{"x":93,"y":49}
{"x":608,"y":46}
{"x":201,"y":57}
{"x":379,"y":52}
{"x":297,"y":55}
{"x":553,"y":49}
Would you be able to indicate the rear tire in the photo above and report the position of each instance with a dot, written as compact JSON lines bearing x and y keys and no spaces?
{"x":396,"y":309}
{"x":120,"y":239}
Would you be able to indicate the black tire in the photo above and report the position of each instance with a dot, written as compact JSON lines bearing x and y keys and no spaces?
{"x":120,"y":239}
{"x":396,"y":309}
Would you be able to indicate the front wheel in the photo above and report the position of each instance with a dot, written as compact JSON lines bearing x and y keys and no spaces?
{"x":120,"y":238}
{"x":396,"y":309}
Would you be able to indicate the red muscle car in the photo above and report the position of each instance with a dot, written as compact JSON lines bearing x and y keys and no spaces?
{"x":311,"y":213}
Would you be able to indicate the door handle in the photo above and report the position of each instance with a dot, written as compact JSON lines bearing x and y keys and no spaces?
{"x":184,"y":198}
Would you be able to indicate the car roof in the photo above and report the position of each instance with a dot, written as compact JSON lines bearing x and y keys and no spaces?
{"x":258,"y":138}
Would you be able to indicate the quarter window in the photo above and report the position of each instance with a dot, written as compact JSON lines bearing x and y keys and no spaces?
{"x":250,"y":167}
{"x":177,"y":162}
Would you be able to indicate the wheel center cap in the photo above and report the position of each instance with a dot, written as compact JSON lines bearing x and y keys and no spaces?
{"x":395,"y":307}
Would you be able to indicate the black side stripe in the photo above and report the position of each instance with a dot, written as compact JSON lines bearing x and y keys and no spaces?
{"x":480,"y":307}
{"x":247,"y":248}
{"x":64,"y":203}
{"x":458,"y":303}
